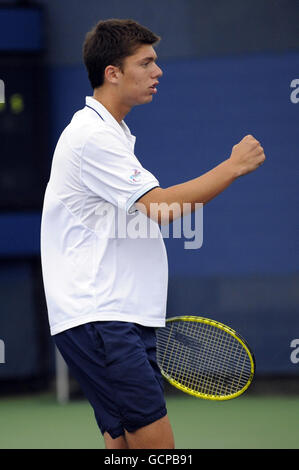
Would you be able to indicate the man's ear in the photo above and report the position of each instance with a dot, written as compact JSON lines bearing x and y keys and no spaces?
{"x":112,"y":73}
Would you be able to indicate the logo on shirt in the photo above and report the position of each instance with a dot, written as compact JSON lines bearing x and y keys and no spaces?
{"x":135,"y":177}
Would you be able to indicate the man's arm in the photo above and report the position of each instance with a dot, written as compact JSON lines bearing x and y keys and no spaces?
{"x":246,"y":157}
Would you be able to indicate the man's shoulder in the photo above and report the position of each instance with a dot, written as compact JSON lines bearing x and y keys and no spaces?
{"x":85,"y":125}
{"x":83,"y":129}
{"x":86,"y":132}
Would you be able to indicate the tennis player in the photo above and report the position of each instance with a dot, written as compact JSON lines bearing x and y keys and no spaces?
{"x":107,"y":293}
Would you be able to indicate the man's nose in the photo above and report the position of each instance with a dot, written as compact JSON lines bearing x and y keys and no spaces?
{"x":158,"y":72}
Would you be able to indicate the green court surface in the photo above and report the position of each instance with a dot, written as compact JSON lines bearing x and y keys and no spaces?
{"x":248,"y":422}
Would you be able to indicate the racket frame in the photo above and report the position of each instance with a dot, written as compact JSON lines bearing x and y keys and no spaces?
{"x":230,"y":331}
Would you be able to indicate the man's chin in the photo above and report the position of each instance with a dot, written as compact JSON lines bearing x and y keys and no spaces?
{"x":146,"y":99}
{"x":143,"y":100}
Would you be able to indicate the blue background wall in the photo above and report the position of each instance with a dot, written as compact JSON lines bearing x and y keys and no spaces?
{"x":220,"y":83}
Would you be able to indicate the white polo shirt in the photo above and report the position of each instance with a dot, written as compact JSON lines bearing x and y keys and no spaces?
{"x":98,"y":260}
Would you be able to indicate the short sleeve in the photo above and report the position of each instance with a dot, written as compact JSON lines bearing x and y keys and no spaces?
{"x":112,"y":171}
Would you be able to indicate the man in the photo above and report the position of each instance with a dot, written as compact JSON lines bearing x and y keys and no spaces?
{"x":106,"y":293}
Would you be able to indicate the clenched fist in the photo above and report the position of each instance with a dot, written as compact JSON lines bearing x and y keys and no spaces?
{"x":247,"y":155}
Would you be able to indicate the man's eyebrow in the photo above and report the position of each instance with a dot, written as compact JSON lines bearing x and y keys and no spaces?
{"x":148,"y":59}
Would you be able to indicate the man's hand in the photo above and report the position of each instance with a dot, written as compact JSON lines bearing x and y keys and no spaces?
{"x":247,"y":155}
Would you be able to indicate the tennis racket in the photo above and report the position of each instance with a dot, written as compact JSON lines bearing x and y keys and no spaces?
{"x":204,"y":358}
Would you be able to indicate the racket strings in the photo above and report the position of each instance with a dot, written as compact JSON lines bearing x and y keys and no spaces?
{"x":203,"y":358}
{"x":207,"y":350}
{"x":206,"y":376}
{"x":209,"y":385}
{"x":205,"y":380}
{"x":210,"y":369}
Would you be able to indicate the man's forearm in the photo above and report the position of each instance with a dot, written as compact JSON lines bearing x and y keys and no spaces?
{"x":164,"y":205}
{"x":201,"y":189}
{"x":246,"y":157}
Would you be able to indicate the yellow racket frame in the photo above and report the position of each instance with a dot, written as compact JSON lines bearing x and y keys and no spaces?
{"x":230,"y":331}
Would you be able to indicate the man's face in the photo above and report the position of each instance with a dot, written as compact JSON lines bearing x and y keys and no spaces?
{"x":137,"y":83}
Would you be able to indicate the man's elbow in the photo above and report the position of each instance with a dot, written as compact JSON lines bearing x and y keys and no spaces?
{"x":154,"y":205}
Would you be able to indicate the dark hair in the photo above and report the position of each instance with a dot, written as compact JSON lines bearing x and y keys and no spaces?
{"x":109,"y":43}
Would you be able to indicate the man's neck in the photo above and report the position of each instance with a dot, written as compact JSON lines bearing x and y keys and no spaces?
{"x":112,"y":104}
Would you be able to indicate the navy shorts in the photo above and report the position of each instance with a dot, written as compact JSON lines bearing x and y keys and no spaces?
{"x":115,"y":365}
